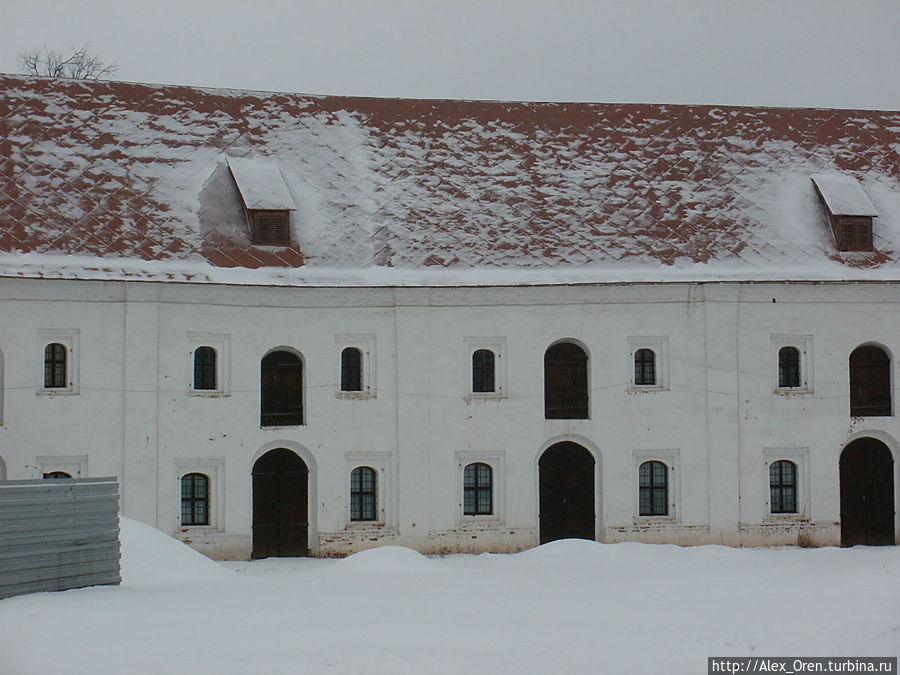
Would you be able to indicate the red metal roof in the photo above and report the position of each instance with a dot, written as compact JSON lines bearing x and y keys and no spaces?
{"x":138,"y":172}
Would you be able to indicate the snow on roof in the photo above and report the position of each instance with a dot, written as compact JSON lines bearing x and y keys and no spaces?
{"x":260,"y":183}
{"x":843,"y":195}
{"x":119,"y":180}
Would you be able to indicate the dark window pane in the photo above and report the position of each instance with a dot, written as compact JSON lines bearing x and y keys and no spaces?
{"x":783,"y":487}
{"x":351,"y":369}
{"x":788,"y":367}
{"x":205,"y":368}
{"x":645,"y":367}
{"x":653,"y":489}
{"x":195,"y":499}
{"x":478,"y":490}
{"x":363,"y":492}
{"x":870,"y":382}
{"x":55,"y":376}
{"x":483,"y":371}
{"x":281,"y":390}
{"x":565,"y":382}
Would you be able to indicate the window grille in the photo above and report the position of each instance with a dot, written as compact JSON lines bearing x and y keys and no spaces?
{"x":788,"y":367}
{"x":54,"y":475}
{"x":483,"y":371}
{"x":195,"y":499}
{"x":478,"y":490}
{"x":363,"y":494}
{"x":55,"y":376}
{"x":351,"y":369}
{"x":645,"y":367}
{"x":205,"y":368}
{"x":783,"y":487}
{"x":653,"y":483}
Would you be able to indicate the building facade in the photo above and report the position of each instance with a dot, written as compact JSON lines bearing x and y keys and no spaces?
{"x":229,"y":338}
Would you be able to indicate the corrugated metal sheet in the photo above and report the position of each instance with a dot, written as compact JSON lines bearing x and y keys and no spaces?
{"x":58,"y":534}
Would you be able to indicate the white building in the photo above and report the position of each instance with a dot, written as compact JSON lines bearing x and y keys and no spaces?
{"x":290,"y":322}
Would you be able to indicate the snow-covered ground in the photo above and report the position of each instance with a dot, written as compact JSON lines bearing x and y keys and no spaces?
{"x":566,"y":607}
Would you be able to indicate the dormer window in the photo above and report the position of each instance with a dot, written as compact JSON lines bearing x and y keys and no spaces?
{"x":267,"y":202}
{"x":850,"y":211}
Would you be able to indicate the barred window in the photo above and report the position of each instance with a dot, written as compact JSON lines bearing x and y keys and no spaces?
{"x":478,"y":490}
{"x":788,"y":367}
{"x":55,"y":376}
{"x":351,"y":369}
{"x":653,"y":485}
{"x":363,"y":494}
{"x":483,"y":371}
{"x":205,"y":368}
{"x":645,"y":367}
{"x":195,"y":499}
{"x":783,"y":487}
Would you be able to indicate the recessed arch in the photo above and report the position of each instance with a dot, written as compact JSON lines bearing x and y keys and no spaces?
{"x":870,"y":381}
{"x":281,"y":501}
{"x":281,"y":388}
{"x":566,"y":380}
{"x":566,"y":492}
{"x":866,"y":469}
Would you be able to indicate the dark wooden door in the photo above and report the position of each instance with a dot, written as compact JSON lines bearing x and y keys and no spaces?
{"x":281,"y":390}
{"x":867,"y":494}
{"x":565,"y":382}
{"x":280,"y":509}
{"x":870,"y":382}
{"x":566,"y":487}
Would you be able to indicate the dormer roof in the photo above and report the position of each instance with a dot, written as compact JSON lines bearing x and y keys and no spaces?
{"x":261,"y":184}
{"x":843,"y":195}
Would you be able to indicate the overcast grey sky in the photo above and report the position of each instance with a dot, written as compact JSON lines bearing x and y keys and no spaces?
{"x":832,"y":53}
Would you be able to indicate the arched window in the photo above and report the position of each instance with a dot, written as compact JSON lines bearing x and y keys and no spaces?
{"x":565,"y":382}
{"x":783,"y":487}
{"x":645,"y":367}
{"x":363,"y":493}
{"x":653,"y":486}
{"x":351,"y":369}
{"x":788,"y":367}
{"x":870,"y":382}
{"x":281,"y":390}
{"x":478,"y":490}
{"x":55,"y":376}
{"x":483,"y":371}
{"x":205,"y":369}
{"x":195,"y":499}
{"x":53,"y":475}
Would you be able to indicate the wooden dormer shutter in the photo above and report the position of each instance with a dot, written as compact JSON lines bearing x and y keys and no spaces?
{"x":267,"y":200}
{"x":270,"y":227}
{"x":850,"y":212}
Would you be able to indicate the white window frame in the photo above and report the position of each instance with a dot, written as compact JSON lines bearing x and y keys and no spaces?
{"x":221,"y":342}
{"x":803,"y":344}
{"x":660,"y":347}
{"x":497,"y":461}
{"x":70,"y":339}
{"x":74,"y":465}
{"x":497,"y":345}
{"x":366,"y":345}
{"x":672,"y":460}
{"x":800,"y":457}
{"x":384,"y":501}
{"x":214,"y":469}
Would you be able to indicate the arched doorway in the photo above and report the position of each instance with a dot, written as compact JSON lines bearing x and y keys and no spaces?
{"x":566,"y":492}
{"x":867,"y":494}
{"x":280,"y":505}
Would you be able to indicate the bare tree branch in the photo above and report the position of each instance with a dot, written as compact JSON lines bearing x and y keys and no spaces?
{"x":79,"y":64}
